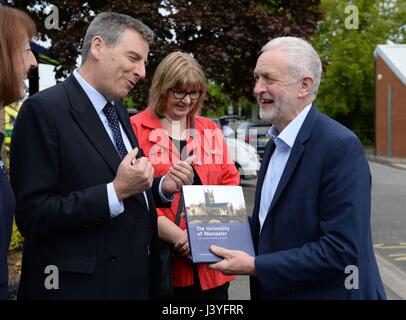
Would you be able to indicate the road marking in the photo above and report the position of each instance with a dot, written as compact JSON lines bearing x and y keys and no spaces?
{"x":402,"y":245}
{"x":398,"y":256}
{"x":400,"y":259}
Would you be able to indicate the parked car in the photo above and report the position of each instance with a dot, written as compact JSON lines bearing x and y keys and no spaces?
{"x":254,"y":134}
{"x":132,"y":111}
{"x":244,"y":156}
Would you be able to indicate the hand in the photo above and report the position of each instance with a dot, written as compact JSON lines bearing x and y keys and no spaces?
{"x":182,"y":245}
{"x":179,"y":175}
{"x":133,"y":178}
{"x":235,"y":261}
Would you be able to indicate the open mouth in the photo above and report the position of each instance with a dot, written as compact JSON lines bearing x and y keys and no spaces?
{"x":266,"y":101}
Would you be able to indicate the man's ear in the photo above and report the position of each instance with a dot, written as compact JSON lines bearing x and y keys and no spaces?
{"x":97,"y":46}
{"x":306,"y":86}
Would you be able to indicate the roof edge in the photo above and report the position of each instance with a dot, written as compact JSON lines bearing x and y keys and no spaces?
{"x":381,"y":53}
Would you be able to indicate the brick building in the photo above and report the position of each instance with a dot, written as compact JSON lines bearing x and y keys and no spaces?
{"x":390,"y":100}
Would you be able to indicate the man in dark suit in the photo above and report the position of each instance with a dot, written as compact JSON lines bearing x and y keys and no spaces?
{"x":311,"y":221}
{"x":84,"y":199}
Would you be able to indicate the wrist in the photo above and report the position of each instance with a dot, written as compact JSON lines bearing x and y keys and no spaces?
{"x":252,"y":267}
{"x":164,"y":188}
{"x":119,"y":192}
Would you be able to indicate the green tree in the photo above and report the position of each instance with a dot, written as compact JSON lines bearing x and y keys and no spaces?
{"x":225,"y":36}
{"x":347,"y":89}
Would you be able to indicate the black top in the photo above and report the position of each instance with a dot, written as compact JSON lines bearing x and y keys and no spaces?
{"x":7,"y":207}
{"x":181,"y":145}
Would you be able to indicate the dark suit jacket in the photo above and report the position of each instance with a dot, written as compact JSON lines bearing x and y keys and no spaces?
{"x":7,"y":207}
{"x":61,"y":161}
{"x":319,"y":219}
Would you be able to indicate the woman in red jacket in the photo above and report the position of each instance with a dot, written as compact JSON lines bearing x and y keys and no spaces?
{"x":170,"y":130}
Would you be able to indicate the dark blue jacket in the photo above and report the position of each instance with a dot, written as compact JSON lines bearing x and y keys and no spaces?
{"x":318,"y":223}
{"x":7,"y":206}
{"x":62,"y":203}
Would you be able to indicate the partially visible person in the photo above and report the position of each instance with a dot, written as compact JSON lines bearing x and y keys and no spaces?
{"x":311,"y":223}
{"x":86,"y":196}
{"x":169,"y":128}
{"x":16,"y":60}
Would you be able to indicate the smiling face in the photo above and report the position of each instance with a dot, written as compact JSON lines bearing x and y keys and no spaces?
{"x":178,"y":109}
{"x":276,"y":91}
{"x":24,"y":64}
{"x":119,"y":68}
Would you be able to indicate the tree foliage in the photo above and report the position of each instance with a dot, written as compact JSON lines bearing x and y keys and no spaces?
{"x":225,"y":36}
{"x":347,"y":88}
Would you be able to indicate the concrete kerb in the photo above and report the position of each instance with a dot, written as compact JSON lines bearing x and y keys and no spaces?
{"x":392,"y":277}
{"x":398,"y":163}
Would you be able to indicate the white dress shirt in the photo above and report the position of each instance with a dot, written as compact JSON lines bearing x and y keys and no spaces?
{"x":284,"y":142}
{"x":99,"y":101}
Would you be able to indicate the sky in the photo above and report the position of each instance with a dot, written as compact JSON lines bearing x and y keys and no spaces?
{"x":46,"y":76}
{"x":231,"y":194}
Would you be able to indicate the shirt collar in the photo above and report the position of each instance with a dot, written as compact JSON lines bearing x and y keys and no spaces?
{"x":288,"y":135}
{"x":97,"y":99}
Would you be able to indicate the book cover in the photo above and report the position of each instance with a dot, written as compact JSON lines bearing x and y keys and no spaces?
{"x":216,"y":215}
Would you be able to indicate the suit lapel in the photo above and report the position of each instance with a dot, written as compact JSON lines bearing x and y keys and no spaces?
{"x":294,"y":158}
{"x":270,"y":148}
{"x":125,"y":122}
{"x":90,"y":123}
{"x":295,"y":155}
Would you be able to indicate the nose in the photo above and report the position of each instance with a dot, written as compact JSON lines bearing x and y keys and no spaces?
{"x":139,"y":70}
{"x":186,"y":99}
{"x":259,"y":87}
{"x":33,"y":61}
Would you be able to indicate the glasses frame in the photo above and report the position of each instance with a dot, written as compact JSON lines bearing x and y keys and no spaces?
{"x":186,"y":93}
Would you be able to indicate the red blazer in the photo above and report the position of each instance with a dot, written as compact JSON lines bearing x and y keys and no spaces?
{"x":213,"y":166}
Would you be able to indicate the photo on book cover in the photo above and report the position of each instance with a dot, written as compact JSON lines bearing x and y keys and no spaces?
{"x":216,"y":215}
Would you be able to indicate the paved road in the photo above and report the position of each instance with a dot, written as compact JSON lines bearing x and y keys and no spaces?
{"x":389,"y":213}
{"x":388,"y":229}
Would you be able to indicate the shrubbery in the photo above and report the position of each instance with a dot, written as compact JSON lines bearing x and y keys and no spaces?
{"x":16,"y":239}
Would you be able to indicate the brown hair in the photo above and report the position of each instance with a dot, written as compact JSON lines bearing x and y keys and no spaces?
{"x":178,"y":70}
{"x":15,"y":27}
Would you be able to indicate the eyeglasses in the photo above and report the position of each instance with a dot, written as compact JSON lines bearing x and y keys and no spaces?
{"x":180,"y":95}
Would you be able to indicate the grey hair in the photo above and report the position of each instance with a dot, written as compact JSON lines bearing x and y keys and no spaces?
{"x":301,"y":58}
{"x":110,"y":26}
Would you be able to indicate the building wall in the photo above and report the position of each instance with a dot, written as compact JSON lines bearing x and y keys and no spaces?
{"x":381,"y":111}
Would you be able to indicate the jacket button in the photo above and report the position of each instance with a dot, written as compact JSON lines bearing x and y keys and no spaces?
{"x":199,"y":163}
{"x":213,"y":151}
{"x":113,"y":258}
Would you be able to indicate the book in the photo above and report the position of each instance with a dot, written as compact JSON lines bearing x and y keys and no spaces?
{"x":216,"y":215}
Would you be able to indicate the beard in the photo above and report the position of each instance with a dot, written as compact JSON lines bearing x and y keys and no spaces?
{"x":278,"y":111}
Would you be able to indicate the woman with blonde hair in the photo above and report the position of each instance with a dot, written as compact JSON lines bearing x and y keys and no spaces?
{"x":170,"y":130}
{"x":16,"y":59}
